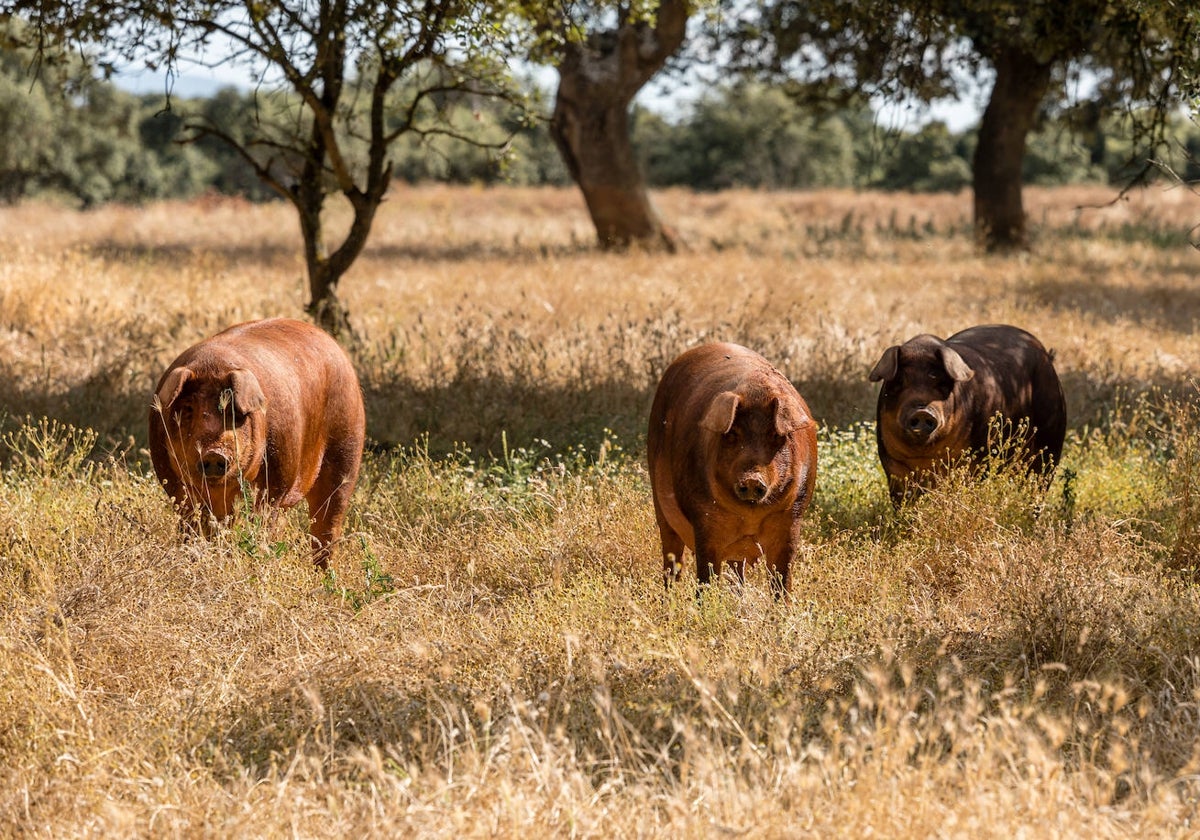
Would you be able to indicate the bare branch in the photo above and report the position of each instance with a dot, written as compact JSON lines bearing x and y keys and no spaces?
{"x":263,"y":171}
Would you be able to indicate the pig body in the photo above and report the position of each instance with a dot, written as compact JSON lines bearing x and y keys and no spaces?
{"x":732,"y":451}
{"x":939,"y":396}
{"x":273,"y":404}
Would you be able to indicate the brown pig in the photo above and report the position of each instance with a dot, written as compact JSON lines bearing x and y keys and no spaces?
{"x":938,"y":398}
{"x":272,"y":405}
{"x":733,"y":459}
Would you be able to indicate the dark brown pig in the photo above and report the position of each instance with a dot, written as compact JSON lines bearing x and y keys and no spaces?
{"x":733,"y":460}
{"x":938,"y":398}
{"x":274,"y":405}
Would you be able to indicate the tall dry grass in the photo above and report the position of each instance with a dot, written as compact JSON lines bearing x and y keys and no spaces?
{"x":493,"y":654}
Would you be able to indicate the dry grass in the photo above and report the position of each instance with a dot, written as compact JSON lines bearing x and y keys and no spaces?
{"x":494,"y":655}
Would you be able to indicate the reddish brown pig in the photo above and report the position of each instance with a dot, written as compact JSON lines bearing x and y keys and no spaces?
{"x":273,"y":404}
{"x":733,"y":460}
{"x":938,"y":398}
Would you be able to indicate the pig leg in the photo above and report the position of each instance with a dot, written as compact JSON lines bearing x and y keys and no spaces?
{"x":672,"y":554}
{"x":328,"y":500}
{"x":708,"y":562}
{"x":672,"y":548}
{"x":779,"y":570}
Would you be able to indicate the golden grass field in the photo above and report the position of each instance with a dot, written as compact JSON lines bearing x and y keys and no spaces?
{"x":494,"y":654}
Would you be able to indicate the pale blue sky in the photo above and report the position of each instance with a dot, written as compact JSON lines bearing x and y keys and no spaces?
{"x":198,"y":80}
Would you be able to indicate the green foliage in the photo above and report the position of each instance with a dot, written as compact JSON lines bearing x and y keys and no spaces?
{"x":753,"y":135}
{"x":95,"y":143}
{"x":63,"y":131}
{"x":748,"y":135}
{"x":239,"y":114}
{"x":853,"y":489}
{"x":929,"y":160}
{"x":26,"y":128}
{"x":479,"y":140}
{"x":376,"y":582}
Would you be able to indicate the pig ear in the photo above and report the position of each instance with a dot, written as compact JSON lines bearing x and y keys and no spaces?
{"x":720,"y":414}
{"x":789,"y":416}
{"x":247,"y":393}
{"x":959,"y":370}
{"x":887,"y":365}
{"x":171,"y":385}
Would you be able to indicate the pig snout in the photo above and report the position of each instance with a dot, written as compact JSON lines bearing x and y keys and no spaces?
{"x":751,"y":488}
{"x":920,"y":422}
{"x":213,"y":465}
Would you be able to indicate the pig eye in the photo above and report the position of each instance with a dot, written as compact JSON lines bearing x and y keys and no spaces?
{"x":231,"y":415}
{"x":228,"y":409}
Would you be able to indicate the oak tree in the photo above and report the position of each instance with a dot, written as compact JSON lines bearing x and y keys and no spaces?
{"x":328,"y":75}
{"x":1141,"y":56}
{"x":605,"y":54}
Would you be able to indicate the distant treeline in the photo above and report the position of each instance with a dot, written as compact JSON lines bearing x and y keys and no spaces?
{"x":97,"y":143}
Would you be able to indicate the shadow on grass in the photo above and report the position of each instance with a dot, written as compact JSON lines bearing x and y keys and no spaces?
{"x":482,"y":412}
{"x":107,"y":402}
{"x":169,"y":256}
{"x":1093,"y":397}
{"x":486,"y":413}
{"x":1159,"y":307}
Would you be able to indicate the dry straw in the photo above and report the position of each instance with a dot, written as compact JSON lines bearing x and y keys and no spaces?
{"x":493,"y":654}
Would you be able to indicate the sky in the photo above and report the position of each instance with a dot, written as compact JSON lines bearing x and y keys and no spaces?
{"x":196,"y":80}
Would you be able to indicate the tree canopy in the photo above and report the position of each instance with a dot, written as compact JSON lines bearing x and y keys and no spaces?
{"x":1141,"y":57}
{"x":352,"y":94}
{"x":340,"y":82}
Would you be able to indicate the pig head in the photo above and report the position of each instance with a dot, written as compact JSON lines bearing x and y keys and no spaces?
{"x":732,"y":454}
{"x":216,"y":435}
{"x":748,"y":452}
{"x":939,"y":397}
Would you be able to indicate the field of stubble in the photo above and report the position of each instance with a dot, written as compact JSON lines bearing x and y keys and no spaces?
{"x":493,"y":653}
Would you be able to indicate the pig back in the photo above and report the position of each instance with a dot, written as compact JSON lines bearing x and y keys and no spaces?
{"x":304,"y":373}
{"x":1015,"y":377}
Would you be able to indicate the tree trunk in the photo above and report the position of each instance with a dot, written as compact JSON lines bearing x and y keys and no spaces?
{"x":597,"y":82}
{"x":325,"y":270}
{"x":326,"y":308}
{"x":593,"y":138}
{"x":1021,"y":84}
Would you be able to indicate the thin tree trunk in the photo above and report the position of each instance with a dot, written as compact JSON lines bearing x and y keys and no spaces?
{"x":326,"y":308}
{"x":1021,"y":84}
{"x":325,"y":272}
